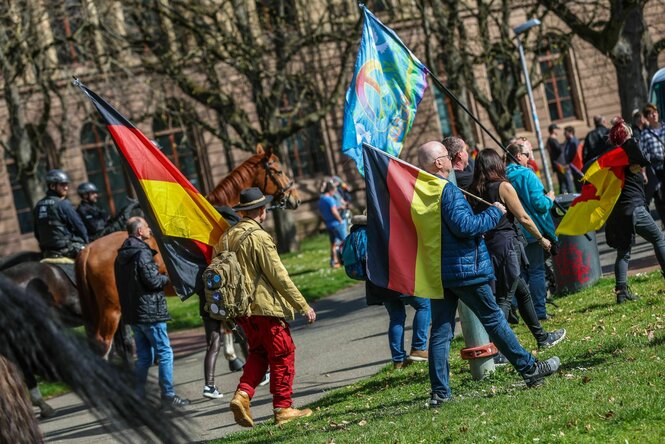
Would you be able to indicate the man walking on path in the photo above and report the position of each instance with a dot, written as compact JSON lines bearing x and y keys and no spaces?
{"x":466,"y":272}
{"x":143,"y":304}
{"x":558,"y":159}
{"x":274,"y":300}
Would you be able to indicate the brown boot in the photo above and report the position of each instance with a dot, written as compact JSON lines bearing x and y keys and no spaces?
{"x":289,"y":413}
{"x":240,"y":409}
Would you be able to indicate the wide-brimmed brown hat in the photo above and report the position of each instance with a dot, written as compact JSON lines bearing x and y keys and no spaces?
{"x":252,"y":198}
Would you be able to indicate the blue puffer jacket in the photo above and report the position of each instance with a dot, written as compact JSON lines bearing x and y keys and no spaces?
{"x":532,"y":195}
{"x":464,"y":259}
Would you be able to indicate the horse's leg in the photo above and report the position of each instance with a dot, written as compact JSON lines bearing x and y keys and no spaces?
{"x":108,"y":324}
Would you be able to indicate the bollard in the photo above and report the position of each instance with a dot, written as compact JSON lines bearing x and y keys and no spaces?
{"x":475,"y":336}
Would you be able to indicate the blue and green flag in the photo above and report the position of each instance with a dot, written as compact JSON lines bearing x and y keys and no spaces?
{"x":387,"y":86}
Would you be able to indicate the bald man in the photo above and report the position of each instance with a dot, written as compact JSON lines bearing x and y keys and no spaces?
{"x":434,"y":158}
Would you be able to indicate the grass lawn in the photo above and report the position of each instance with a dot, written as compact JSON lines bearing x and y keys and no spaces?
{"x":309,"y":268}
{"x":609,"y":389}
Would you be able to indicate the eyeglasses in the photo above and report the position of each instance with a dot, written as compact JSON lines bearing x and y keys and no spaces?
{"x":441,"y":157}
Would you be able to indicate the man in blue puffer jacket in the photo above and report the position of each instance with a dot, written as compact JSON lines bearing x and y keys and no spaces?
{"x":466,"y":271}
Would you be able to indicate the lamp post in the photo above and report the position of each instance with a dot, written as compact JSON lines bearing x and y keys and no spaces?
{"x":546,"y":163}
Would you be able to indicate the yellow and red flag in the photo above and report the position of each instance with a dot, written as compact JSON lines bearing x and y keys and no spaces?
{"x":186,"y":226}
{"x":589,"y":211}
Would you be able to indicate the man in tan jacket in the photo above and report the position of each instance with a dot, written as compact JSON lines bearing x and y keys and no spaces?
{"x":275,"y":300}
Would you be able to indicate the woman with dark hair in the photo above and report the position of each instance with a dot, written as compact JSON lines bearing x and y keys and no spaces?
{"x":505,"y":243}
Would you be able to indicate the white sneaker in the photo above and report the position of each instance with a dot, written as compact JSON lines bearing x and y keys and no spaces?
{"x":212,"y":392}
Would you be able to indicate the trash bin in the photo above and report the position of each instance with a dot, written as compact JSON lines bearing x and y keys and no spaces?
{"x":577,"y":264}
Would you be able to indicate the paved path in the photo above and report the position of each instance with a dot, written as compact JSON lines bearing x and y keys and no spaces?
{"x":347,"y":343}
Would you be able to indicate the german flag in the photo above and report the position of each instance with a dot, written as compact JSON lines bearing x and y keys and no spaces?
{"x":403,"y":225}
{"x":590,"y":211}
{"x":186,"y":226}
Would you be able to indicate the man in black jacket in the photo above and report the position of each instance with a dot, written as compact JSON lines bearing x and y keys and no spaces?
{"x":58,"y":228}
{"x":94,"y":217}
{"x":143,"y":304}
{"x":596,"y":141}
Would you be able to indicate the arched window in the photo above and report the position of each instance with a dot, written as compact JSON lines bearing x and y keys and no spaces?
{"x":178,"y":142}
{"x":557,"y":73}
{"x":103,"y":165}
{"x":66,"y":19}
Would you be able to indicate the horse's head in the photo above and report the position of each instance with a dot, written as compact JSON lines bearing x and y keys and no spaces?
{"x":273,"y":180}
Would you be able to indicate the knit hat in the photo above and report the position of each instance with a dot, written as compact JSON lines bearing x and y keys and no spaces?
{"x":620,"y":132}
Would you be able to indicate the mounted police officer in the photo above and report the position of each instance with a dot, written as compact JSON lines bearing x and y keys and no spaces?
{"x":94,"y":217}
{"x":58,"y":228}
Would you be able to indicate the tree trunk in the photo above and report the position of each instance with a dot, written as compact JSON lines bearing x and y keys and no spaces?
{"x":627,"y":61}
{"x":285,"y":230}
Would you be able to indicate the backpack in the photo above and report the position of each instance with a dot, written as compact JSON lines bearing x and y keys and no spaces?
{"x":354,"y":253}
{"x":226,"y":292}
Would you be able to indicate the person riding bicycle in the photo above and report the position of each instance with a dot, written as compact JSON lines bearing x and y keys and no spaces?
{"x":94,"y":217}
{"x":58,"y":228}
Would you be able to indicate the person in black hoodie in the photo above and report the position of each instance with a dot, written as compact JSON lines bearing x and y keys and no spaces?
{"x":143,"y":305}
{"x":631,"y":211}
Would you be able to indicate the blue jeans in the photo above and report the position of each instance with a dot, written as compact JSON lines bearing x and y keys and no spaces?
{"x":535,"y":277}
{"x":397,"y":314}
{"x":151,"y":340}
{"x":645,"y":226}
{"x":480,"y":300}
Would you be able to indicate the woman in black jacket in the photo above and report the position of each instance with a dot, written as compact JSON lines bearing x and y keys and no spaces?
{"x":631,"y":211}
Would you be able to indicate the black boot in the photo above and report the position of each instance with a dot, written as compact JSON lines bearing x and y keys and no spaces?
{"x":624,"y":294}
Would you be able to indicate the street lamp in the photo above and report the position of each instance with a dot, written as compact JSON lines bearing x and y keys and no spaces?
{"x":519,"y":30}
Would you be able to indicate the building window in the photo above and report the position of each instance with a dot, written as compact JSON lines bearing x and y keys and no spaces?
{"x":276,"y":15}
{"x":66,"y":22}
{"x":177,"y":142}
{"x":557,"y":80}
{"x":103,"y":165}
{"x":307,"y":156}
{"x":21,"y":198}
{"x":444,"y":112}
{"x":520,"y":117}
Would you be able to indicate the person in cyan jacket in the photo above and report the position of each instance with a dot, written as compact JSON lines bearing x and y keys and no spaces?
{"x":466,"y":271}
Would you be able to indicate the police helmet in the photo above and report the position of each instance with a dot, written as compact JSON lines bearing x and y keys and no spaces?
{"x":86,"y":187}
{"x":56,"y":176}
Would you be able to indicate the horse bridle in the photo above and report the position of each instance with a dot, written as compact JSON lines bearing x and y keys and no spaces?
{"x":283,"y":192}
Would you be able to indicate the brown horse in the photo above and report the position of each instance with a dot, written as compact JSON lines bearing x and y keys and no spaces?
{"x":94,"y":266}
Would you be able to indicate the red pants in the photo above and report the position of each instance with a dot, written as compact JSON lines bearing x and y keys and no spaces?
{"x":270,"y":346}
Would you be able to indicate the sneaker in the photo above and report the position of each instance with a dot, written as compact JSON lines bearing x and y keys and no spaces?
{"x":437,"y":401}
{"x":285,"y":415}
{"x":500,"y":359}
{"x":624,"y":294}
{"x":174,"y":403}
{"x":535,"y":376}
{"x":240,"y":409}
{"x":553,"y":338}
{"x":210,"y":391}
{"x":265,"y":380}
{"x":401,"y":364}
{"x":418,"y":356}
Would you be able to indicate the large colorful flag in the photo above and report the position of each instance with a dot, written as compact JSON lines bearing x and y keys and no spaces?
{"x":403,"y":225}
{"x":589,"y":211}
{"x":186,"y":226}
{"x":387,"y":86}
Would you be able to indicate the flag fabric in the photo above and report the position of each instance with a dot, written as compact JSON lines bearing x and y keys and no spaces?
{"x":186,"y":226}
{"x":403,"y":225}
{"x":387,"y":86}
{"x":590,"y":211}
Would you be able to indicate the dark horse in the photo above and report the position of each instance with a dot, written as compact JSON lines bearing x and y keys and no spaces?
{"x":94,"y":265}
{"x":31,"y":334}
